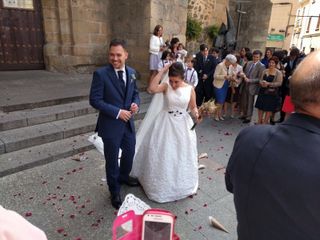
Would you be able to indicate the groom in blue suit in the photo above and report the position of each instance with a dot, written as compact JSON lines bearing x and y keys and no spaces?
{"x":114,"y":93}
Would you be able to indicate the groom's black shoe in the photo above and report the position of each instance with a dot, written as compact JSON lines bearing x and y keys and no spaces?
{"x":131,"y":181}
{"x":116,"y":200}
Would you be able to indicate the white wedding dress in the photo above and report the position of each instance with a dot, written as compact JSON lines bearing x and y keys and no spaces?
{"x":166,"y":152}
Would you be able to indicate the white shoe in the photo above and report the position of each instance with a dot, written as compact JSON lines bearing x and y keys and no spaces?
{"x":217,"y":119}
{"x":221,"y":118}
{"x":232,"y":116}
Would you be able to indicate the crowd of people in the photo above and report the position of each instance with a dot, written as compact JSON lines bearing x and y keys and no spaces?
{"x":238,"y":81}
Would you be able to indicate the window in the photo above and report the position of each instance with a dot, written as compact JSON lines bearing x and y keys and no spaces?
{"x":309,"y":23}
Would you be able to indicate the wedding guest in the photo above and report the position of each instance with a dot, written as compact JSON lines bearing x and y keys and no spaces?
{"x":253,"y":72}
{"x":273,"y":171}
{"x":268,"y":97}
{"x":174,"y":46}
{"x":267,"y":56}
{"x":166,"y":163}
{"x":166,"y":58}
{"x":236,"y":73}
{"x":291,"y":63}
{"x":243,"y":52}
{"x":182,"y":53}
{"x":215,"y":52}
{"x":221,"y":83}
{"x":191,"y":76}
{"x":156,"y":47}
{"x":205,"y":67}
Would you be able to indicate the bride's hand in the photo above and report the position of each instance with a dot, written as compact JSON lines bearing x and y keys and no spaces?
{"x":198,"y":119}
{"x":165,"y":68}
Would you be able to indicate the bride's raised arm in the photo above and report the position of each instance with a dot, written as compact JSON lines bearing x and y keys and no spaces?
{"x":154,"y":86}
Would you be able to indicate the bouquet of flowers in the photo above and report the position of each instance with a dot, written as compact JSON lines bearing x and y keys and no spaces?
{"x":205,"y":110}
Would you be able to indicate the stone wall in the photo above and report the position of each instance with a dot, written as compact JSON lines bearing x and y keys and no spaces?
{"x":208,"y":12}
{"x":254,"y":23}
{"x":76,"y":34}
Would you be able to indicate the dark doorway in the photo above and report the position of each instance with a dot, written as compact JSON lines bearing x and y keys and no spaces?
{"x":21,"y":35}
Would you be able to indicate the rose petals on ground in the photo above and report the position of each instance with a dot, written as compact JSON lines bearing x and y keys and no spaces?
{"x":60,"y":230}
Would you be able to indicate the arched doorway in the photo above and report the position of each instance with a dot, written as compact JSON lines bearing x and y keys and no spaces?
{"x":21,"y":35}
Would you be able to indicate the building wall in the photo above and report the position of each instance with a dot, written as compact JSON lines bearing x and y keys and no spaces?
{"x":281,"y":23}
{"x":76,"y":34}
{"x":306,"y":39}
{"x":253,"y":27}
{"x":208,"y":12}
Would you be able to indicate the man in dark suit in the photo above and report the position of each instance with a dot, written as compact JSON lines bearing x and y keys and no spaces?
{"x":114,"y":93}
{"x":205,"y":67}
{"x":273,"y":171}
{"x":253,"y":72}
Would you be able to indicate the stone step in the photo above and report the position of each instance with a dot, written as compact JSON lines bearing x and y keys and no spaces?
{"x":16,"y":139}
{"x":30,"y":117}
{"x":36,"y":116}
{"x":42,"y":154}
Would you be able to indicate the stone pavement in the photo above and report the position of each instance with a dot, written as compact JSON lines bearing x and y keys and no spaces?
{"x":68,"y":198}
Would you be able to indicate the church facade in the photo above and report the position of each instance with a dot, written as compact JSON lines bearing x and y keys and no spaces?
{"x":73,"y":35}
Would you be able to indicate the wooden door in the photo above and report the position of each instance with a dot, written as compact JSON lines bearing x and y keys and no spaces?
{"x":21,"y":35}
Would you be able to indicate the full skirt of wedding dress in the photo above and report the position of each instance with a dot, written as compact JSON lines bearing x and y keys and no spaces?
{"x":166,"y":159}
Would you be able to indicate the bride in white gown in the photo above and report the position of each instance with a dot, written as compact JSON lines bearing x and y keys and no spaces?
{"x":166,"y":151}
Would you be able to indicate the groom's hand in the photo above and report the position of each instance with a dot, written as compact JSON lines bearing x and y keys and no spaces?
{"x":134,"y":108}
{"x":125,"y":115}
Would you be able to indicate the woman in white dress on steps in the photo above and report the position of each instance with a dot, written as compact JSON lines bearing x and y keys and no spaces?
{"x":166,"y":154}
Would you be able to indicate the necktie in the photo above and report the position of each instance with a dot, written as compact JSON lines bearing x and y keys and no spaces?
{"x":250,"y":70}
{"x":122,"y":84}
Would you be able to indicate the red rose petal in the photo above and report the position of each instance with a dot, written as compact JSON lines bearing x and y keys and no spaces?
{"x":89,"y":213}
{"x":60,"y":230}
{"x":28,"y":214}
{"x":72,"y":216}
{"x":71,"y":198}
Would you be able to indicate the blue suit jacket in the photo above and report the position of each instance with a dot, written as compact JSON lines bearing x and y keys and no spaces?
{"x":274,"y":174}
{"x":107,"y":96}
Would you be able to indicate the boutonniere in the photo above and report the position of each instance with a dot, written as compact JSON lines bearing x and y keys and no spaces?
{"x":133,"y":77}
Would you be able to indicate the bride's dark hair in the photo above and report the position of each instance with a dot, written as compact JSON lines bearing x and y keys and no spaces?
{"x":176,"y":70}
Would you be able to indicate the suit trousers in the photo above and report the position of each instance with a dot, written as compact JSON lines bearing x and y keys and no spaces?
{"x":204,"y":91}
{"x":247,"y":101}
{"x":115,"y":173}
